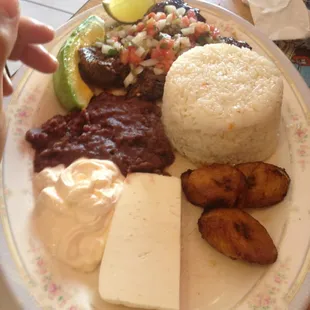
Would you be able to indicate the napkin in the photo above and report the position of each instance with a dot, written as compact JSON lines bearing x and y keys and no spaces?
{"x":281,"y":19}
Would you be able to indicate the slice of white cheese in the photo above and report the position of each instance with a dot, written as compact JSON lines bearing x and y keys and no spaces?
{"x":141,"y":263}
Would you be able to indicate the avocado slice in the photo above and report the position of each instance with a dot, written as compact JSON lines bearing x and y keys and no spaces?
{"x":69,"y":87}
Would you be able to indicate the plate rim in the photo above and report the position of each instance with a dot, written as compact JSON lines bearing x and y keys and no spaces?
{"x":297,"y":84}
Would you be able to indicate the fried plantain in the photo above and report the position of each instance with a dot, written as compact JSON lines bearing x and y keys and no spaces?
{"x":267,"y":184}
{"x":213,"y":186}
{"x":237,"y":235}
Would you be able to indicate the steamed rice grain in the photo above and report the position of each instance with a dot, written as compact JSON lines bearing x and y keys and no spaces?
{"x":223,"y":104}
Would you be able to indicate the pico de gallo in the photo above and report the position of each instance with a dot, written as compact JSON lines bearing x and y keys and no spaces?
{"x":157,"y":40}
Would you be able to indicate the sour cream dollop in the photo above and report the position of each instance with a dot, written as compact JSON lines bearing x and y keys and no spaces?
{"x":74,"y":208}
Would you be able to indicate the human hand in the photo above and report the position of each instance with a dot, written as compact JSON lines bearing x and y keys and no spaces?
{"x":20,"y":39}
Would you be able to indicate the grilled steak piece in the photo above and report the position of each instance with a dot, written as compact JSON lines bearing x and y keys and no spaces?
{"x":160,"y":7}
{"x":149,"y":86}
{"x":232,"y":41}
{"x":100,"y":71}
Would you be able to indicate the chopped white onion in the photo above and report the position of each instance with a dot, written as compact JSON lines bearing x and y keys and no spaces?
{"x":152,"y":43}
{"x":169,"y":18}
{"x":188,"y":31}
{"x":158,"y":15}
{"x":164,"y":36}
{"x":149,"y":43}
{"x":177,"y":43}
{"x":193,"y":25}
{"x":122,"y":34}
{"x":185,"y":42}
{"x":176,"y":21}
{"x":138,"y":70}
{"x":133,"y":28}
{"x":140,"y":51}
{"x":98,"y":44}
{"x":130,"y":79}
{"x":158,"y":71}
{"x":106,"y":48}
{"x":170,"y":9}
{"x":161,"y":24}
{"x":129,"y":38}
{"x":149,"y":63}
{"x":117,"y":45}
{"x":181,"y":11}
{"x":110,"y":41}
{"x":139,"y":38}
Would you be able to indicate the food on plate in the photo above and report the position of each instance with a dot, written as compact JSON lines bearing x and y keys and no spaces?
{"x":127,"y":11}
{"x":134,"y":58}
{"x":178,"y":4}
{"x":141,"y":264}
{"x":247,"y":185}
{"x":126,"y":131}
{"x":98,"y":70}
{"x":222,"y":104}
{"x":216,"y":185}
{"x":267,"y":184}
{"x":74,"y":208}
{"x":237,"y":235}
{"x":69,"y":87}
{"x":145,"y":51}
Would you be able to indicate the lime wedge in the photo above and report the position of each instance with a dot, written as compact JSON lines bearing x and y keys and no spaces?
{"x":69,"y":87}
{"x":127,"y":11}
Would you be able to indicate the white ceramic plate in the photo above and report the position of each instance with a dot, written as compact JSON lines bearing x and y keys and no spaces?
{"x":209,"y":280}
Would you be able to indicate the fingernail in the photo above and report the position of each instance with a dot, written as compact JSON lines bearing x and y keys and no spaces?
{"x":9,"y":7}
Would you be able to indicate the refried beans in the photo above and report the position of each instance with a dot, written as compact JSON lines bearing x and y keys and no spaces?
{"x":128,"y":132}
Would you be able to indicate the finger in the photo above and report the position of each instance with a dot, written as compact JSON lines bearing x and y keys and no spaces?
{"x":7,"y":85}
{"x":36,"y":57}
{"x":9,"y":16}
{"x":30,"y":31}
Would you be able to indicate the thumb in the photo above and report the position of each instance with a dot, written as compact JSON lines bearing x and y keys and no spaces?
{"x":9,"y":19}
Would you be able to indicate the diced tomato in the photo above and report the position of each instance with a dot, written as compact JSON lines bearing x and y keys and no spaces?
{"x":167,"y":63}
{"x":191,"y":14}
{"x":152,"y":15}
{"x":155,"y":54}
{"x":212,"y":27}
{"x":185,"y":21}
{"x":133,"y":58}
{"x":140,"y":26}
{"x":151,"y":28}
{"x":170,"y":55}
{"x":161,"y":15}
{"x":115,"y":38}
{"x":166,"y":44}
{"x":124,"y":56}
{"x":193,"y":40}
{"x":164,"y":53}
{"x":201,"y":28}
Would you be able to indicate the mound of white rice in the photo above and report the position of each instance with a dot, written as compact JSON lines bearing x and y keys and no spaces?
{"x":223,"y":104}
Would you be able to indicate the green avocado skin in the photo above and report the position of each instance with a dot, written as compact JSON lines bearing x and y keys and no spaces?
{"x":66,"y":77}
